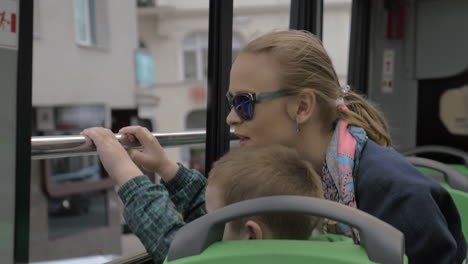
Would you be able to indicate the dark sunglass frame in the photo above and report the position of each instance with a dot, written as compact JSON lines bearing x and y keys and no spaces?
{"x":251,"y":99}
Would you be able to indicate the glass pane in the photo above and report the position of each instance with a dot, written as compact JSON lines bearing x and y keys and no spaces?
{"x":80,"y":20}
{"x":336,"y":30}
{"x":190,"y":42}
{"x":78,"y":117}
{"x":179,"y":45}
{"x":235,"y":53}
{"x":198,"y":44}
{"x":92,"y":21}
{"x":205,"y":62}
{"x":74,"y":169}
{"x":203,"y":40}
{"x":145,"y":69}
{"x":76,"y":87}
{"x":76,"y":213}
{"x":36,"y":19}
{"x":236,"y":41}
{"x":190,"y":65}
{"x":254,"y":18}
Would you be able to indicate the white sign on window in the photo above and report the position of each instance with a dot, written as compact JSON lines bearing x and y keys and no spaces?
{"x":387,"y":71}
{"x":9,"y":24}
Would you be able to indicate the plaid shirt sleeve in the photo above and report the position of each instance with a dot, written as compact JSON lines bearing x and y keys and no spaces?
{"x":149,"y":214}
{"x":187,"y":192}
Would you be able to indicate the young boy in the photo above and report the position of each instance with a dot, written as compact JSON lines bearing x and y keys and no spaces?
{"x":259,"y":171}
{"x":245,"y":173}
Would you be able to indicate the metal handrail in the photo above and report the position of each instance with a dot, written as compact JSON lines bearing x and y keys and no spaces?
{"x":50,"y":147}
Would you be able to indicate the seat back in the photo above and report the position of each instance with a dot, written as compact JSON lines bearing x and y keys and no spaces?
{"x":436,"y":149}
{"x":199,"y":241}
{"x":278,"y":252}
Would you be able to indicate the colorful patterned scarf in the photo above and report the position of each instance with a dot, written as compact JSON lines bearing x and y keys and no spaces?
{"x":339,"y":169}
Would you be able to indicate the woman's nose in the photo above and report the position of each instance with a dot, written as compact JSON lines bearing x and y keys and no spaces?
{"x":233,"y":118}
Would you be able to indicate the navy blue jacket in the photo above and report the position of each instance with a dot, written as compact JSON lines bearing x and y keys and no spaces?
{"x":391,"y":189}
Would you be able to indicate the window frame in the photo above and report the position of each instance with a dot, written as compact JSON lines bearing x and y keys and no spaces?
{"x":199,"y":48}
{"x":89,"y":23}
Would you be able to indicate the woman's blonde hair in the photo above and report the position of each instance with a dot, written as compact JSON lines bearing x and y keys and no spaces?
{"x":304,"y":63}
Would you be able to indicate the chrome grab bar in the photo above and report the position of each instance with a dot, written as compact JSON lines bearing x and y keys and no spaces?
{"x":50,"y":147}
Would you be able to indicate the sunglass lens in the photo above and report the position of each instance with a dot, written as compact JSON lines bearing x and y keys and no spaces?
{"x":243,"y":106}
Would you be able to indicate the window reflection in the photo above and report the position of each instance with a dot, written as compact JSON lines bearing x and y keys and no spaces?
{"x":74,"y":169}
{"x":76,"y":213}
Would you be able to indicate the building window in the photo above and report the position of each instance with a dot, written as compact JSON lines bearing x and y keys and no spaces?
{"x":85,"y":22}
{"x":195,"y":55}
{"x":144,"y":67}
{"x":145,"y":3}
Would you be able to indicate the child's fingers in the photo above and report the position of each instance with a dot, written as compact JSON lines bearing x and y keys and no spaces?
{"x":142,"y":134}
{"x":141,"y":158}
{"x":91,"y":134}
{"x":99,"y":136}
{"x":127,"y":130}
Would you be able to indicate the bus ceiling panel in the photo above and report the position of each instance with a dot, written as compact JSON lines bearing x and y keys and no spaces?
{"x":441,"y":39}
{"x":307,"y":15}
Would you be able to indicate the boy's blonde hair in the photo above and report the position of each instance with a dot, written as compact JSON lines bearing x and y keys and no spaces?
{"x":258,"y":171}
{"x":304,"y":63}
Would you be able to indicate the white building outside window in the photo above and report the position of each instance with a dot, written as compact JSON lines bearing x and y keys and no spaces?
{"x":85,"y":22}
{"x":195,"y":55}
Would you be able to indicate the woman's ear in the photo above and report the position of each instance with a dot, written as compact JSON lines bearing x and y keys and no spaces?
{"x":302,"y":108}
{"x":254,"y":230}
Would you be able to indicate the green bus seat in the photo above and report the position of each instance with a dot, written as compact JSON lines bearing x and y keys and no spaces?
{"x":200,"y":241}
{"x":461,"y":168}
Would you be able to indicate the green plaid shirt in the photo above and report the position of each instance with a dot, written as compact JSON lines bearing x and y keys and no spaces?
{"x":151,"y":217}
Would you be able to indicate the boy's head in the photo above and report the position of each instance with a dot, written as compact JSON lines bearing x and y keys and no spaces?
{"x":258,"y":171}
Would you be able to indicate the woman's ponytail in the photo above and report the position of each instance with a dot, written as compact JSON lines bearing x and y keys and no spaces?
{"x":363,"y":114}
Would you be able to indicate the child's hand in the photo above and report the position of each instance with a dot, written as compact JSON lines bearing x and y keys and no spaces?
{"x":153,"y":157}
{"x":113,"y":156}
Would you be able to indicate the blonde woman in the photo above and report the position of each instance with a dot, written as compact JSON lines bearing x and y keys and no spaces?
{"x":284,"y":90}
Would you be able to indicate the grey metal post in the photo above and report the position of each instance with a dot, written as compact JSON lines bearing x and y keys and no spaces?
{"x":23,"y":131}
{"x":15,"y":119}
